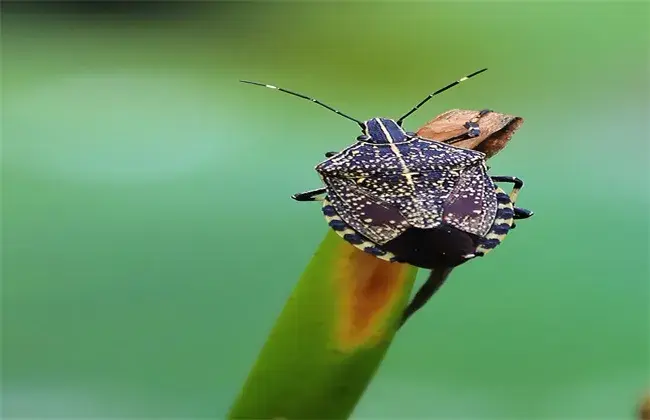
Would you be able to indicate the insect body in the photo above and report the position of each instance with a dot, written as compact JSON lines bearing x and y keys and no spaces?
{"x":404,"y":198}
{"x":408,"y":199}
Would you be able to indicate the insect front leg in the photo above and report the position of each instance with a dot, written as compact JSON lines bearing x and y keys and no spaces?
{"x":472,"y":127}
{"x":312,"y":195}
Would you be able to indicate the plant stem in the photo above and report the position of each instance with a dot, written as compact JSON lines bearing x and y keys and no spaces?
{"x":330,"y":337}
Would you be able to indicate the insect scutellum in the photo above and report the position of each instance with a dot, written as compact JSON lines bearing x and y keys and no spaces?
{"x":377,"y":130}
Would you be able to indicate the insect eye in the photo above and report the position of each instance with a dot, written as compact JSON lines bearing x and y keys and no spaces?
{"x":363,"y":137}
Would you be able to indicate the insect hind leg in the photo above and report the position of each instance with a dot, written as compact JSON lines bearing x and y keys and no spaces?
{"x":351,"y":236}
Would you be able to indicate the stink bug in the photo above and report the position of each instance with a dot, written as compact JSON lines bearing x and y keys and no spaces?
{"x":408,"y":199}
{"x":404,"y":198}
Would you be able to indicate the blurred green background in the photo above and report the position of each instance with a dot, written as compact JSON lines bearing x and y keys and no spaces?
{"x":149,"y":240}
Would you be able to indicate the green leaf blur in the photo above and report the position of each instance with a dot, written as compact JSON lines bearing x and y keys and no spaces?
{"x":149,"y":241}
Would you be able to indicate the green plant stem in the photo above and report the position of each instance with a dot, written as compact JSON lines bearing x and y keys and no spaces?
{"x":329,"y":339}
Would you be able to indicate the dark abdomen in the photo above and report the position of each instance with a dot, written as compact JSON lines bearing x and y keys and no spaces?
{"x":442,"y":246}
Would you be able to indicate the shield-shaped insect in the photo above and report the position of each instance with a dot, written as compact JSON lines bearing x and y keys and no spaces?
{"x":407,"y":199}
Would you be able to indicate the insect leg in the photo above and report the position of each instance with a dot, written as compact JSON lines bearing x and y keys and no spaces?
{"x":519,"y":213}
{"x":522,"y":213}
{"x":517,"y":185}
{"x":472,"y":127}
{"x":436,"y":278}
{"x":311,"y":195}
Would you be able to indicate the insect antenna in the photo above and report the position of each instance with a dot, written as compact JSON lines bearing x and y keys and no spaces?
{"x":437,"y":92}
{"x":316,"y":101}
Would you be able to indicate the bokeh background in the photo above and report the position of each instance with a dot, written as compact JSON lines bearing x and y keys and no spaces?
{"x":149,"y":240}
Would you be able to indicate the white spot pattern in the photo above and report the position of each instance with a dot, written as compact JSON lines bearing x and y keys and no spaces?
{"x":388,"y":256}
{"x":366,"y":178}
